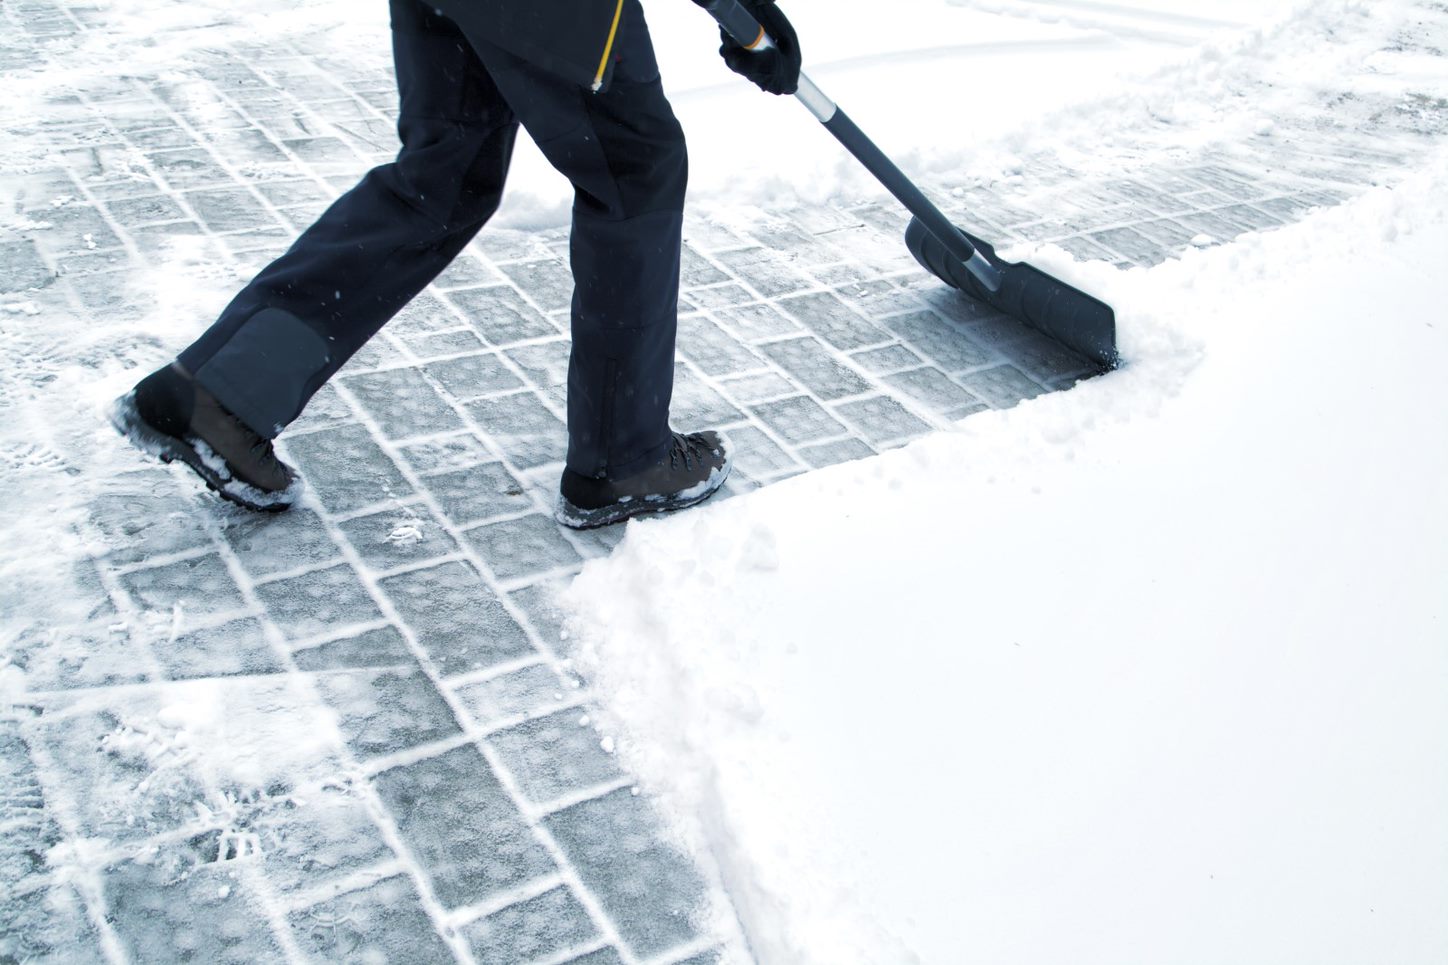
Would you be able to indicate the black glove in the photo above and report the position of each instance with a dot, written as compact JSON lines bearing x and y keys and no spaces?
{"x":775,"y":70}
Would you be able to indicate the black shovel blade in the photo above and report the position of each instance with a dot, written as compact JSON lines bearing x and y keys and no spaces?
{"x":1083,"y":324}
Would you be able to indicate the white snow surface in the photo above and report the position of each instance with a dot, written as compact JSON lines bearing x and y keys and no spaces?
{"x":1151,"y":671}
{"x":1155,"y":670}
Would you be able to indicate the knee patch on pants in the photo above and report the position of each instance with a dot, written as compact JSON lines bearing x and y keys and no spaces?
{"x":266,"y":371}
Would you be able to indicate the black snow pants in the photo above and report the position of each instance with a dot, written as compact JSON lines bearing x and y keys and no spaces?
{"x":380,"y":244}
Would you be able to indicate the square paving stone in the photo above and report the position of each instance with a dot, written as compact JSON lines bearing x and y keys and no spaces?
{"x":470,"y":376}
{"x":47,"y":924}
{"x":535,"y":929}
{"x":199,"y":587}
{"x":798,"y":420}
{"x":230,"y":210}
{"x":539,"y":604}
{"x":116,"y":789}
{"x":767,"y":272}
{"x":555,"y":755}
{"x":286,"y":194}
{"x":267,"y":545}
{"x":523,"y":427}
{"x":319,"y":835}
{"x":239,"y":647}
{"x":403,"y":403}
{"x":500,"y":315}
{"x":326,"y":408}
{"x":146,"y":516}
{"x":835,"y":321}
{"x":385,"y":711}
{"x":545,"y":363}
{"x":695,"y":270}
{"x":549,"y":282}
{"x":759,"y":387}
{"x":716,"y":353}
{"x":696,"y":405}
{"x":155,"y":209}
{"x":810,"y":364}
{"x":604,"y":956}
{"x":1215,"y":228}
{"x":456,"y":619}
{"x":756,"y":322}
{"x":466,"y":832}
{"x":945,"y":344}
{"x":1168,"y":235}
{"x":446,"y":453}
{"x":836,"y":452}
{"x":380,"y":352}
{"x":383,"y":647}
{"x":384,"y":922}
{"x":717,"y":297}
{"x":347,"y":469}
{"x":479,"y":492}
{"x":520,"y":547}
{"x":707,"y":958}
{"x":94,"y":655}
{"x":424,"y":314}
{"x":442,"y":344}
{"x":516,"y":692}
{"x":191,"y":167}
{"x":888,"y":358}
{"x":881,"y":419}
{"x":1084,"y":249}
{"x":650,"y":890}
{"x":467,"y":271}
{"x":398,"y":537}
{"x":202,"y":915}
{"x":319,"y":602}
{"x":933,"y":388}
{"x":1132,"y":244}
{"x":757,"y":455}
{"x":878,"y":299}
{"x":1003,"y":386}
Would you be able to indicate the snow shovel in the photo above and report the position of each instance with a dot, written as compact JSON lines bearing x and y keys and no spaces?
{"x":963,"y":261}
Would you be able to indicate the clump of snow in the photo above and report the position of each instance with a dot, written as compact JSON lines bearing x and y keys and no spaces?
{"x":1152,"y":670}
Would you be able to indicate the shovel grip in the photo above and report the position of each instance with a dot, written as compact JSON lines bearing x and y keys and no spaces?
{"x":740,"y":24}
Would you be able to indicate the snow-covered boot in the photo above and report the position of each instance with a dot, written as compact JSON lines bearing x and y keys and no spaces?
{"x":169,"y":415}
{"x":693,"y":469}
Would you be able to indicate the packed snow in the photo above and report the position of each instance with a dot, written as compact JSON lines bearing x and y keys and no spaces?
{"x":1153,"y":670}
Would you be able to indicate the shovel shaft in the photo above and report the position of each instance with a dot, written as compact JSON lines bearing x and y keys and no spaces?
{"x":740,"y":24}
{"x":905,"y":191}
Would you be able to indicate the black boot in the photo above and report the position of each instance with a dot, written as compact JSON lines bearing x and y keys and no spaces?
{"x":169,"y":415}
{"x":693,"y":469}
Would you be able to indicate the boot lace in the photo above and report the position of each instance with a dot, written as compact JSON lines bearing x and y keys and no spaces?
{"x":688,"y":449}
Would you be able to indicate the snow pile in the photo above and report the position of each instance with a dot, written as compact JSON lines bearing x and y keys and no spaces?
{"x":1149,"y":671}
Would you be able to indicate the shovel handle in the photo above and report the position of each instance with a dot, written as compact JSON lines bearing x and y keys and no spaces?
{"x":740,"y":24}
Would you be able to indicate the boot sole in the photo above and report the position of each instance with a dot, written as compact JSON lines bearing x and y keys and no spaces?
{"x":199,"y":458}
{"x":576,"y":517}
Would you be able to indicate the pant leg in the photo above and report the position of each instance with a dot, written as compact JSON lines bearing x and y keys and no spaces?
{"x":624,"y":152}
{"x":379,"y":245}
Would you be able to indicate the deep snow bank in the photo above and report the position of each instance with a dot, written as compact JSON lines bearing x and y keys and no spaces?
{"x":1155,"y":670}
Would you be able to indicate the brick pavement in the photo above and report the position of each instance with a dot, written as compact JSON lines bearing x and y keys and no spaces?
{"x":445,"y":794}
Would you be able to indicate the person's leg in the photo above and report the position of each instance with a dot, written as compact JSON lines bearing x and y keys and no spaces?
{"x":379,"y":245}
{"x":624,"y":151}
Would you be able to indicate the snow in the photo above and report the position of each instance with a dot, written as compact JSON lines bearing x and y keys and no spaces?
{"x":1153,"y":670}
{"x":1149,"y":671}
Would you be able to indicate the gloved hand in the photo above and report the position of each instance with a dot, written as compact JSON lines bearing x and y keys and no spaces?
{"x":775,"y":70}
